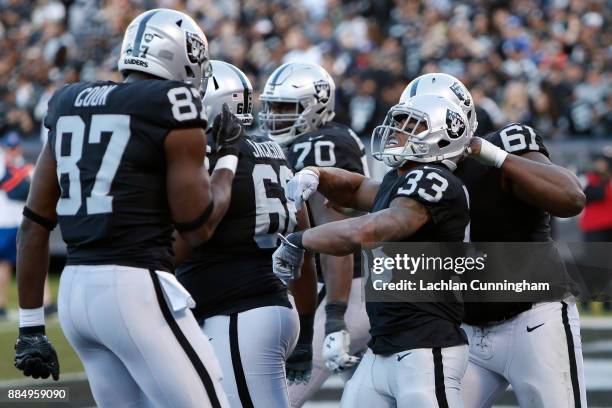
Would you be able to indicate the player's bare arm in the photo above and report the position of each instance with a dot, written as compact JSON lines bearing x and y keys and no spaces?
{"x":400,"y":220}
{"x":33,"y":238}
{"x":199,"y":202}
{"x":304,"y":289}
{"x":34,"y":355}
{"x":533,"y":178}
{"x":343,"y":188}
{"x":337,"y":271}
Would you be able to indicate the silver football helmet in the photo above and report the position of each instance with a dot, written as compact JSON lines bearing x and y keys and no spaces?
{"x":448,"y":87}
{"x":228,"y":85}
{"x":425,"y":129}
{"x":167,"y":44}
{"x":297,"y":98}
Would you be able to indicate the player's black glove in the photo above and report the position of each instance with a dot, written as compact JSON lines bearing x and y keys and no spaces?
{"x":226,"y":132}
{"x":299,"y":364}
{"x":34,"y":355}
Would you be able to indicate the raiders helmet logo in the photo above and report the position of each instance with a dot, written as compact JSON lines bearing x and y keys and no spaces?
{"x":196,"y":50}
{"x":323,"y":91}
{"x":456,"y":88}
{"x":455,"y":127}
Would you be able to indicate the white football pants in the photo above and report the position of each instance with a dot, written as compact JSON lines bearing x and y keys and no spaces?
{"x":138,"y":340}
{"x":417,"y":378}
{"x":252,"y":347}
{"x":538,"y":352}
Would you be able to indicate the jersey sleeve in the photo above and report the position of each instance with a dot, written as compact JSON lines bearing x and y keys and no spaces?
{"x":519,"y":139}
{"x":327,"y":151}
{"x":438,"y":191}
{"x":172,"y":105}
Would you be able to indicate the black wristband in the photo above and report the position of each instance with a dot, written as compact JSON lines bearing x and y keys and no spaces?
{"x":32,"y":330}
{"x":39,"y":219}
{"x":334,"y":317}
{"x":306,"y":329}
{"x":295,"y":238}
{"x":190,"y":226}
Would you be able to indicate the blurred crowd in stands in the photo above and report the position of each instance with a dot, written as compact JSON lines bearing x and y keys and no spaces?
{"x":541,"y":62}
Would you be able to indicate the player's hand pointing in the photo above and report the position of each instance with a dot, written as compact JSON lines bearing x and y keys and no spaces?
{"x":302,"y":185}
{"x":226,"y":132}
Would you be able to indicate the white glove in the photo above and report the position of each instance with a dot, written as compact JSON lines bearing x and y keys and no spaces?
{"x":490,"y":155}
{"x":301,"y":186}
{"x":335,"y":351}
{"x":287,"y":261}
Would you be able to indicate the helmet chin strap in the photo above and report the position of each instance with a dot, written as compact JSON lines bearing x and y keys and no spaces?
{"x":452,"y":166}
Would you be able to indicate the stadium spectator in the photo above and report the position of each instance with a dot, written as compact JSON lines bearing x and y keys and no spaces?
{"x":549,"y":59}
{"x":14,"y":186}
{"x":596,"y":220}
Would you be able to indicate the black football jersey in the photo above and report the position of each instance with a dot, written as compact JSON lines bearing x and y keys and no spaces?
{"x":398,"y":326}
{"x":332,"y":145}
{"x":232,"y":272}
{"x":499,"y":216}
{"x":108,"y":141}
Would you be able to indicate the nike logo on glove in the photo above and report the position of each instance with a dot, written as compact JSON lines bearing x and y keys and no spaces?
{"x":530,"y":329}
{"x":399,"y":358}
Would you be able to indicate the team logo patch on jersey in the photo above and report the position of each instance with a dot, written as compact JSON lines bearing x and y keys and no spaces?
{"x":455,"y":125}
{"x":323,"y":91}
{"x":196,"y":50}
{"x":457,"y":90}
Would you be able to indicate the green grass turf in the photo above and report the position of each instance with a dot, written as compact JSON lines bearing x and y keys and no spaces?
{"x":69,"y":362}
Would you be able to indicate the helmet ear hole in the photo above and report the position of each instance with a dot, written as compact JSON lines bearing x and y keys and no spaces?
{"x":443,"y":143}
{"x":189,"y":72}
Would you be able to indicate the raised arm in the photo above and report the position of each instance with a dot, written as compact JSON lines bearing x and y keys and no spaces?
{"x":533,"y":178}
{"x":343,"y":188}
{"x":199,"y":202}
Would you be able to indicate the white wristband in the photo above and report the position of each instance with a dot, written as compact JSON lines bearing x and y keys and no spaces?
{"x":229,"y":162}
{"x":491,"y":155}
{"x":32,"y":317}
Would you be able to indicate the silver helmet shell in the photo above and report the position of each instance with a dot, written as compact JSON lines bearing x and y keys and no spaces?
{"x":448,"y":87}
{"x":444,"y":136}
{"x":167,"y":44}
{"x":311,"y":91}
{"x":228,"y":85}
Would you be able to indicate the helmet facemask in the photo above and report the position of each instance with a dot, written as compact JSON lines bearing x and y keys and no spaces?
{"x":410,"y":134}
{"x":284,"y":121}
{"x":401,"y":137}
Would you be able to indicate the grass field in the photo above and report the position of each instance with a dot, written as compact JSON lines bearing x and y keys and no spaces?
{"x":8,"y":334}
{"x":69,"y":361}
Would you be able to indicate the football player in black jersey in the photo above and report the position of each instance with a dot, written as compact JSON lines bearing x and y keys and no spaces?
{"x":243,"y":308}
{"x":513,"y":189}
{"x":298,"y":107}
{"x":122,"y":169}
{"x":418,"y":352}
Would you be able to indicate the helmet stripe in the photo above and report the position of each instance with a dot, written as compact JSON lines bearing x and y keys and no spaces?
{"x":280,"y":70}
{"x":140,"y":32}
{"x":414,"y":87}
{"x":245,"y":91}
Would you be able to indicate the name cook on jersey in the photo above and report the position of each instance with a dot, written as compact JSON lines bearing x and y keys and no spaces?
{"x":451,"y":285}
